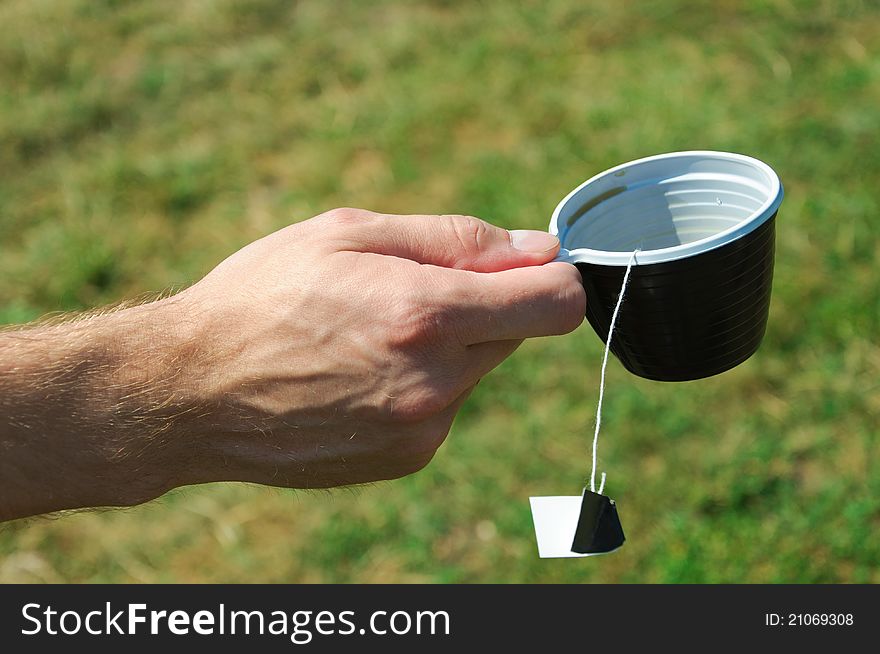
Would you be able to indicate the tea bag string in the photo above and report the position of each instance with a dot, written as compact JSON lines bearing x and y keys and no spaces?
{"x":629,"y":266}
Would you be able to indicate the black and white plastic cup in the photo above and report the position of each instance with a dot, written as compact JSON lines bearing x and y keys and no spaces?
{"x":698,"y":296}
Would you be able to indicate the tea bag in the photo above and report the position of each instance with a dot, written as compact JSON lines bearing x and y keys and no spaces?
{"x":598,"y":528}
{"x":576,"y":525}
{"x":585,"y":525}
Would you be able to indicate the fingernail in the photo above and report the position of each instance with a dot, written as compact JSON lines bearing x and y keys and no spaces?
{"x":530,"y":240}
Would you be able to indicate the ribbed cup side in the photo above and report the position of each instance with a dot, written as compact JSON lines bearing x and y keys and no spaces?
{"x":690,"y":318}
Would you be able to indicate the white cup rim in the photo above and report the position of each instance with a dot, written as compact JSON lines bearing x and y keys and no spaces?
{"x":663,"y":255}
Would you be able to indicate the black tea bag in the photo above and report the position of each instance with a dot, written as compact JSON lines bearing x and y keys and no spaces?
{"x":598,"y":529}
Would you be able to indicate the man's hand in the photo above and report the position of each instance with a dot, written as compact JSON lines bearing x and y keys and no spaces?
{"x":335,"y":351}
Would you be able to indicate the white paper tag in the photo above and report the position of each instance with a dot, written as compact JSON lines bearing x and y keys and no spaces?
{"x":556,"y":518}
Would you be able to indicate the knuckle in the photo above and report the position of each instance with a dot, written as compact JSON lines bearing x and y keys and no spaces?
{"x":422,"y":402}
{"x":348,"y":216}
{"x":415,"y":323}
{"x":472,"y":233}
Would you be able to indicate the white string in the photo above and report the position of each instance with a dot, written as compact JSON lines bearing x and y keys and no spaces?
{"x":629,"y":266}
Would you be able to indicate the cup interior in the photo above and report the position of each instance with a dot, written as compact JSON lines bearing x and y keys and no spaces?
{"x":670,"y":206}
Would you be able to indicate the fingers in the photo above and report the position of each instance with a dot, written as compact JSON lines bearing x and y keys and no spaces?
{"x":507,"y":288}
{"x":461,"y":242}
{"x":481,"y":359}
{"x":521,"y":303}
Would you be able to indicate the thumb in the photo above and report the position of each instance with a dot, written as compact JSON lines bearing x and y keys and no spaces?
{"x":462,"y":242}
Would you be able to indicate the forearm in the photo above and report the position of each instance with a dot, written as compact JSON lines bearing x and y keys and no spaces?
{"x":87,"y":410}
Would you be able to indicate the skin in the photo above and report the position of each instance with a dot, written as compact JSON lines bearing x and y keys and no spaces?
{"x":335,"y":351}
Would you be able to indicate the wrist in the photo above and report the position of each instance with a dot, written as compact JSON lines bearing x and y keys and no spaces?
{"x":155,"y":396}
{"x":92,"y":409}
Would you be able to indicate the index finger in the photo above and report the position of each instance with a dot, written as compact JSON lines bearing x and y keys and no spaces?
{"x":545,"y":300}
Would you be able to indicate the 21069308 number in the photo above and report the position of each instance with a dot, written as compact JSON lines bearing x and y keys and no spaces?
{"x":809,"y":619}
{"x":819,"y":619}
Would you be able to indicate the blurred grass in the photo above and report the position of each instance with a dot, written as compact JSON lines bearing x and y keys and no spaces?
{"x":141,"y":142}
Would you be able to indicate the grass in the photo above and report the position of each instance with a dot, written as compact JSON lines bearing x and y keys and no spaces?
{"x":141,"y":142}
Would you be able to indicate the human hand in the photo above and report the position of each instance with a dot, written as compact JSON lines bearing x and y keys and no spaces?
{"x":335,"y":351}
{"x":338,"y":350}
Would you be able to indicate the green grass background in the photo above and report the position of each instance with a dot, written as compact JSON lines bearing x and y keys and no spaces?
{"x":143,"y":141}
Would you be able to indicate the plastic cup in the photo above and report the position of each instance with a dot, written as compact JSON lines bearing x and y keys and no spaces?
{"x":698,"y":296}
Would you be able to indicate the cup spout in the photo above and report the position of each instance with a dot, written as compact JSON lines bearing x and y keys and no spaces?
{"x":566,"y":256}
